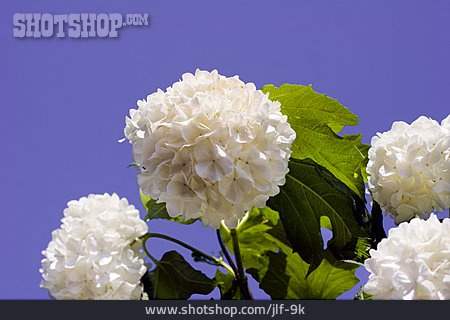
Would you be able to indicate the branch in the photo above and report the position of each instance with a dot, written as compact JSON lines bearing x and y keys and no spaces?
{"x":214,"y":260}
{"x":241,"y":277}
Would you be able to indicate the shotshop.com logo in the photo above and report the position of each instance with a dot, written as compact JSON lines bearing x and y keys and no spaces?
{"x":74,"y":25}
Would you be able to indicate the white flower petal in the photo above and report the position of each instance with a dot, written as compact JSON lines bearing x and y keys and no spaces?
{"x":412,"y":263}
{"x":90,"y":256}
{"x":409,"y":170}
{"x":204,"y":129}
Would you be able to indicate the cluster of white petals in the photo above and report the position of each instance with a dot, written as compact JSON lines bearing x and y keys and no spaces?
{"x":210,"y":147}
{"x":413,"y":263}
{"x":94,"y":254}
{"x":409,"y":168}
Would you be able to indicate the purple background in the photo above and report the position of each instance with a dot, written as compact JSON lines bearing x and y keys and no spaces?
{"x":63,"y":101}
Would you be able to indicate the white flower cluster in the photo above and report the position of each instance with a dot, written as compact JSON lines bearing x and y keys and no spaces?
{"x":210,"y":147}
{"x":92,"y":254}
{"x":409,"y":168}
{"x":413,"y":263}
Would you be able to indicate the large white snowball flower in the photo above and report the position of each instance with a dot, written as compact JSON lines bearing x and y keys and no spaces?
{"x":210,"y":147}
{"x":413,"y":263}
{"x":409,"y":168}
{"x":95,"y":253}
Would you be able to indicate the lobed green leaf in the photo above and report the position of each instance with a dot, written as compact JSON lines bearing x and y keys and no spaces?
{"x":174,"y":278}
{"x":311,"y":192}
{"x":286,"y":278}
{"x":317,"y":118}
{"x":268,"y":256}
{"x":229,"y":289}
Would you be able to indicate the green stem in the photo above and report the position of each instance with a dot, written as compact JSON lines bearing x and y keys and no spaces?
{"x":214,"y":260}
{"x":225,"y":252}
{"x":241,"y":277}
{"x":144,"y":242}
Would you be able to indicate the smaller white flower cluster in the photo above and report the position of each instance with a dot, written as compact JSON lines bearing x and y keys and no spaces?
{"x":210,"y":147}
{"x":95,"y":254}
{"x":409,"y":168}
{"x":413,"y":263}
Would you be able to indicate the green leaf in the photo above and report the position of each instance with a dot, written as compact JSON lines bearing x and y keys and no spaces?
{"x":307,"y":105}
{"x":362,"y":248}
{"x":229,"y":289}
{"x":286,"y":278}
{"x":311,"y":192}
{"x":376,"y":223}
{"x":157,"y":210}
{"x":268,"y":256}
{"x":362,"y":148}
{"x":148,"y":285}
{"x":255,"y":234}
{"x":134,"y":164}
{"x":361,"y":295}
{"x":317,"y":118}
{"x":174,"y":278}
{"x":326,"y":223}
